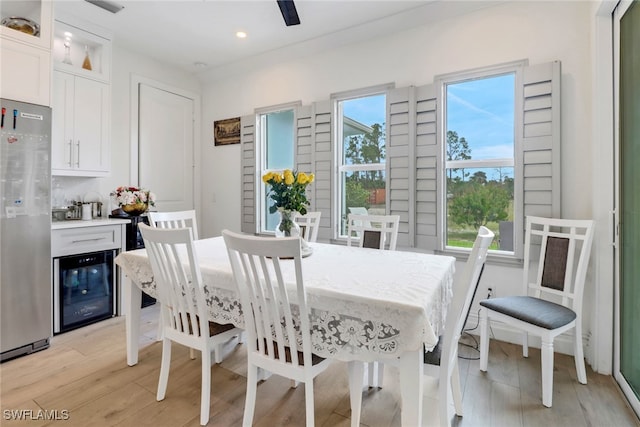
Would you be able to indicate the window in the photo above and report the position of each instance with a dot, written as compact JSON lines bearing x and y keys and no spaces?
{"x":479,"y":166}
{"x":361,"y":183}
{"x":276,"y":141}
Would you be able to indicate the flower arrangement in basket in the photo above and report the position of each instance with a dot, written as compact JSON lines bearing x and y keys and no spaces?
{"x":134,"y":200}
{"x":287,"y":190}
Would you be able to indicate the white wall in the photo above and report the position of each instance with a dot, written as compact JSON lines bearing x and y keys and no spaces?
{"x":125,"y":64}
{"x":538,"y":31}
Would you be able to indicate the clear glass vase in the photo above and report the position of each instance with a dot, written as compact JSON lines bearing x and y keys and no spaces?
{"x":287,"y":227}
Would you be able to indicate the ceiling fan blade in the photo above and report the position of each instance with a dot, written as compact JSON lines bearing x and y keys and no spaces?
{"x":289,"y":12}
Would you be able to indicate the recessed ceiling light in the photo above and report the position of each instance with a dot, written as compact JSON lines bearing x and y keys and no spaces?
{"x":241,"y":35}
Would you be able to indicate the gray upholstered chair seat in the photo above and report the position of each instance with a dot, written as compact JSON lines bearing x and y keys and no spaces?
{"x":539,"y":312}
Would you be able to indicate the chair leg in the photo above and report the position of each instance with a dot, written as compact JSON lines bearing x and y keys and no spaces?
{"x":377,"y":370}
{"x":205,"y":393}
{"x":547,"y":371}
{"x":578,"y":354}
{"x":192,"y":354}
{"x":164,"y":369}
{"x":250,"y":399}
{"x":356,"y":379}
{"x":484,"y":339}
{"x":456,"y":390}
{"x":160,"y":333}
{"x":525,"y":344}
{"x":217,"y":351}
{"x":443,"y":401}
{"x":308,"y":397}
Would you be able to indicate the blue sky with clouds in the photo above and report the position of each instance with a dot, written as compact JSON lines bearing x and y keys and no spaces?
{"x":481,"y":111}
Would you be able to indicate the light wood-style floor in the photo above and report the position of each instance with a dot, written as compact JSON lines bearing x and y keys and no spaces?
{"x":84,"y":377}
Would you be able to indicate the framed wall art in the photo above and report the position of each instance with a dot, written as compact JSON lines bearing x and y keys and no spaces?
{"x":227,"y":131}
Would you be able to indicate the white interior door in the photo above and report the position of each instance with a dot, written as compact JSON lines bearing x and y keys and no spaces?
{"x":166,"y":147}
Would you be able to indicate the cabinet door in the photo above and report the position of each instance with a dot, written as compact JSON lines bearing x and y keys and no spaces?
{"x":62,"y":132}
{"x":91,"y":132}
{"x":25,"y":73}
{"x":80,"y":126}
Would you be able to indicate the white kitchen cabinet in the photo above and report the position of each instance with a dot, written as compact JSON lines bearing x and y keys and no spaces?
{"x":25,"y":59}
{"x":80,"y":135}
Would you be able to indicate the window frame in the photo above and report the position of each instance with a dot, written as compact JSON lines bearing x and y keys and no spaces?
{"x":338,"y":141}
{"x":441,"y":81}
{"x":261,"y":159}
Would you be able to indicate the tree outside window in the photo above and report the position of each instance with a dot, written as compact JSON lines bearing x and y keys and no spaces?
{"x":479,"y":162}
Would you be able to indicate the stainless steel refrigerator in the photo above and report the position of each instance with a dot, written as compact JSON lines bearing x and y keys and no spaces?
{"x":25,"y":229}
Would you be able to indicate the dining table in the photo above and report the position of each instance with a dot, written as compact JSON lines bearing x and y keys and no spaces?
{"x":366,"y":305}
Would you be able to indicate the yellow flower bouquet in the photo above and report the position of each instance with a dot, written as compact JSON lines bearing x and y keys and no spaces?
{"x":287,"y":190}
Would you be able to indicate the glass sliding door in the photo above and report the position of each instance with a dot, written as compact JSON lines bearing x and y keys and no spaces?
{"x":627,"y":37}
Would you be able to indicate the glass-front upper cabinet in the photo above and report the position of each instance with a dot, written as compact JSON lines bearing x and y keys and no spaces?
{"x":27,"y":21}
{"x":82,"y":51}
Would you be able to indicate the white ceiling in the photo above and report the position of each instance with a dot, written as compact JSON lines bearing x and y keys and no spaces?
{"x":185,"y":32}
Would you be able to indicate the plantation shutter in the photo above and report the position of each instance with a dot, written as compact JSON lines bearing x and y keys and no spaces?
{"x":540,"y":134}
{"x":304,"y":148}
{"x":248,"y":172}
{"x":428,"y":152}
{"x":322,"y":156}
{"x":400,"y":162}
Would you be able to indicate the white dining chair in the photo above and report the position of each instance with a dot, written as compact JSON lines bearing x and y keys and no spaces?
{"x":183,"y":306}
{"x":442,"y":362}
{"x":373,"y":231}
{"x":309,"y":225}
{"x":269,"y":319}
{"x":175,"y":219}
{"x":556,"y":258}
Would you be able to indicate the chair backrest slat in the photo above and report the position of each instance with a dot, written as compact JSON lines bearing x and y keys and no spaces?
{"x":265,"y":290}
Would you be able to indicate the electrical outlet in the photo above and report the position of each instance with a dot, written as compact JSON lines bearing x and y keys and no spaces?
{"x":489,"y":293}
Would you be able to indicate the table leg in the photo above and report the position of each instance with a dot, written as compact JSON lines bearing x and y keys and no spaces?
{"x":411,"y":370}
{"x":356,"y":380}
{"x":132,"y":299}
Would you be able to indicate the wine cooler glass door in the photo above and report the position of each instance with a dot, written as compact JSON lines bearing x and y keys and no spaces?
{"x":84,"y":290}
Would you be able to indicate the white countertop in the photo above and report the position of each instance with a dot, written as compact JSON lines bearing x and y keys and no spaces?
{"x":77,"y":223}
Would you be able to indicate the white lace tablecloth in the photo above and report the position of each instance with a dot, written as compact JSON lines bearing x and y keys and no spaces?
{"x":366,"y":304}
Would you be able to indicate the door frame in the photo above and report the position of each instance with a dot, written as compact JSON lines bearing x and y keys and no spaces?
{"x":600,"y":349}
{"x":136,"y":81}
{"x":621,"y":8}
